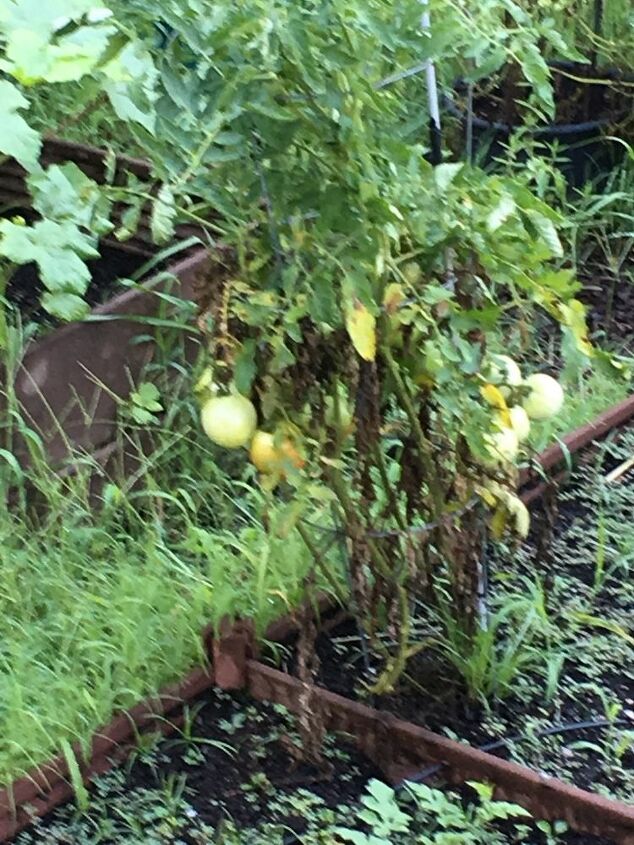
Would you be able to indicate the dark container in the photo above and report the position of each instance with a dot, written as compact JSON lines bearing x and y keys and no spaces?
{"x":592,"y":106}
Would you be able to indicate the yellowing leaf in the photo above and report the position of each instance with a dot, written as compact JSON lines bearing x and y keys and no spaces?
{"x":361,"y":326}
{"x":486,"y":495}
{"x":518,"y":510}
{"x":498,"y":522}
{"x":573,"y":315}
{"x":492,"y":395}
{"x":394,"y":295}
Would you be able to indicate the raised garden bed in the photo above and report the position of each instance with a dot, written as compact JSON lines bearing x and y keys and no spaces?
{"x":399,"y":748}
{"x":226,"y":774}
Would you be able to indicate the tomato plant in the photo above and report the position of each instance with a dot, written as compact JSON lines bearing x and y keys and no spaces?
{"x":360,"y":292}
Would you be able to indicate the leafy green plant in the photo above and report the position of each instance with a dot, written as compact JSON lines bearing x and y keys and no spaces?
{"x":113,"y":609}
{"x":491,"y":659}
{"x":516,"y":37}
{"x":363,"y":283}
{"x":191,"y":743}
{"x":430,"y":817}
{"x":144,"y":404}
{"x":60,"y":43}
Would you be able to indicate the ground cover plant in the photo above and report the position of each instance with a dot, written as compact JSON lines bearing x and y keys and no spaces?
{"x":224,"y":778}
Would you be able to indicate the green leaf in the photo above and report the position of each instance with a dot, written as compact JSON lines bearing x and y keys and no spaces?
{"x":130,"y":219}
{"x":147,"y":396}
{"x":547,"y":231}
{"x":57,"y":248}
{"x":17,"y":138}
{"x":500,"y":213}
{"x":33,"y":55}
{"x":64,"y":192}
{"x":77,"y":54}
{"x":65,"y":306}
{"x":130,"y":86}
{"x":245,"y":367}
{"x":435,"y":294}
{"x":163,"y":215}
{"x":444,"y":174}
{"x":76,"y":779}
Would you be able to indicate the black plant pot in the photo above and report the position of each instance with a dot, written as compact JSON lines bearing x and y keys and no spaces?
{"x":596,"y":111}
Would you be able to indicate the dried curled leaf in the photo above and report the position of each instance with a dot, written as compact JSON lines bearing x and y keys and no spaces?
{"x":361,"y":326}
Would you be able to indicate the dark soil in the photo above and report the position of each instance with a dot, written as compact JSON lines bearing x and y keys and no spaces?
{"x":610,"y":310}
{"x":239,"y":786}
{"x":25,"y":286}
{"x":217,"y":785}
{"x":236,"y":768}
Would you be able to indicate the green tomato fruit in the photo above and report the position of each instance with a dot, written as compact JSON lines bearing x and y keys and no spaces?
{"x":545,"y":399}
{"x":229,"y":421}
{"x":502,"y":447}
{"x":505,"y":370}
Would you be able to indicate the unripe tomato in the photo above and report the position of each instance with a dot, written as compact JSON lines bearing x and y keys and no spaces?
{"x":502,"y":446}
{"x":507,"y":371}
{"x":545,"y":399}
{"x":229,"y":421}
{"x":520,"y":422}
{"x":268,"y":457}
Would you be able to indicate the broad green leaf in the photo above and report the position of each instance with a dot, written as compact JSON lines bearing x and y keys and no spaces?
{"x":130,"y":85}
{"x":361,"y":326}
{"x":547,"y":231}
{"x":78,"y":54}
{"x":500,"y":213}
{"x":17,"y":138}
{"x":57,"y":248}
{"x":245,"y":367}
{"x":444,"y":174}
{"x":32,"y":56}
{"x":65,"y":306}
{"x":130,"y":219}
{"x":64,"y":192}
{"x":147,"y":395}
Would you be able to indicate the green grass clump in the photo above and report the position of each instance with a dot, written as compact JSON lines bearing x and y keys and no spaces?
{"x":102,"y":606}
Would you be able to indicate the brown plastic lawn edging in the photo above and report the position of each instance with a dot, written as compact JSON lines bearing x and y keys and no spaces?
{"x":48,"y":786}
{"x":68,"y":383}
{"x":576,"y":440}
{"x":401,"y":749}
